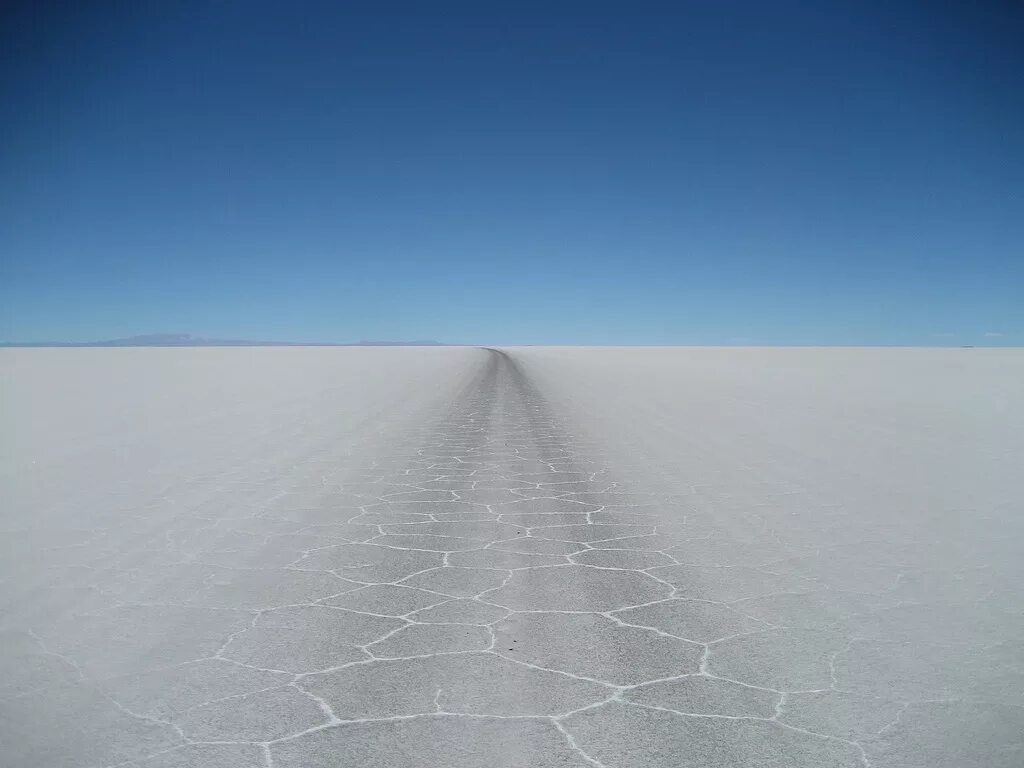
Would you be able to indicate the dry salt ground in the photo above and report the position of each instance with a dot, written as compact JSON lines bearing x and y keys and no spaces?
{"x":529,"y":558}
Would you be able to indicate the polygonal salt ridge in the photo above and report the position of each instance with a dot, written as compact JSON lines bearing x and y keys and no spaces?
{"x":840,"y":714}
{"x":420,"y":495}
{"x":431,"y":639}
{"x":606,"y":498}
{"x":466,"y":683}
{"x":545,"y":505}
{"x":256,"y":717}
{"x":699,"y":621}
{"x":780,"y":659}
{"x":568,"y":490}
{"x":622,"y":559}
{"x":818,"y":609}
{"x":460,"y":582}
{"x":960,"y":587}
{"x":501,"y":482}
{"x":634,"y":735}
{"x":26,"y":665}
{"x":163,"y":692}
{"x":577,"y":588}
{"x":482,"y":531}
{"x":115,"y":735}
{"x":460,"y":611}
{"x":537,"y":519}
{"x":929,"y":671}
{"x":491,"y":495}
{"x":425,"y":507}
{"x":261,"y":589}
{"x":387,"y":600}
{"x":639,"y":514}
{"x":551,"y":476}
{"x":308,"y":638}
{"x":131,"y":639}
{"x":722,"y":551}
{"x":532,"y":545}
{"x":499,"y":559}
{"x":466,"y":465}
{"x":516,"y":467}
{"x":594,"y":646}
{"x":374,"y":489}
{"x":589,"y":533}
{"x":455,"y":471}
{"x":370,"y":563}
{"x":320,"y":499}
{"x":309,"y":517}
{"x":706,"y":695}
{"x":377,"y":515}
{"x":950,"y":733}
{"x":445,"y":454}
{"x":972,"y":626}
{"x":654,"y":542}
{"x":427,"y":542}
{"x":239,"y":755}
{"x":452,"y":517}
{"x":730,"y":583}
{"x":314,"y":536}
{"x":506,"y":741}
{"x":843,"y":570}
{"x":447,"y":484}
{"x":281,"y":550}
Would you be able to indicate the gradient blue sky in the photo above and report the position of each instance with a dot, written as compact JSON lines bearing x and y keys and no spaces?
{"x":516,"y":172}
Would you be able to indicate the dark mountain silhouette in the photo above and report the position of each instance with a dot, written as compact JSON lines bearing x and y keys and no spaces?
{"x":187,"y":340}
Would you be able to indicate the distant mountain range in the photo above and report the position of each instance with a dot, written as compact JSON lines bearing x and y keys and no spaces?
{"x":187,"y":340}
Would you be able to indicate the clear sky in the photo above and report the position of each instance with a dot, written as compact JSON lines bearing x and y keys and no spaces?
{"x":514,"y":172}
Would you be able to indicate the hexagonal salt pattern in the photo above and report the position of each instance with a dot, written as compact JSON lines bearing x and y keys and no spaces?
{"x":493,"y":592}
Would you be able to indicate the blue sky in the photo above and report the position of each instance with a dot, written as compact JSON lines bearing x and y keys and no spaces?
{"x":515,"y":173}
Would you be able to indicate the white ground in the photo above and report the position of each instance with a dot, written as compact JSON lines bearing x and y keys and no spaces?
{"x":535,"y":557}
